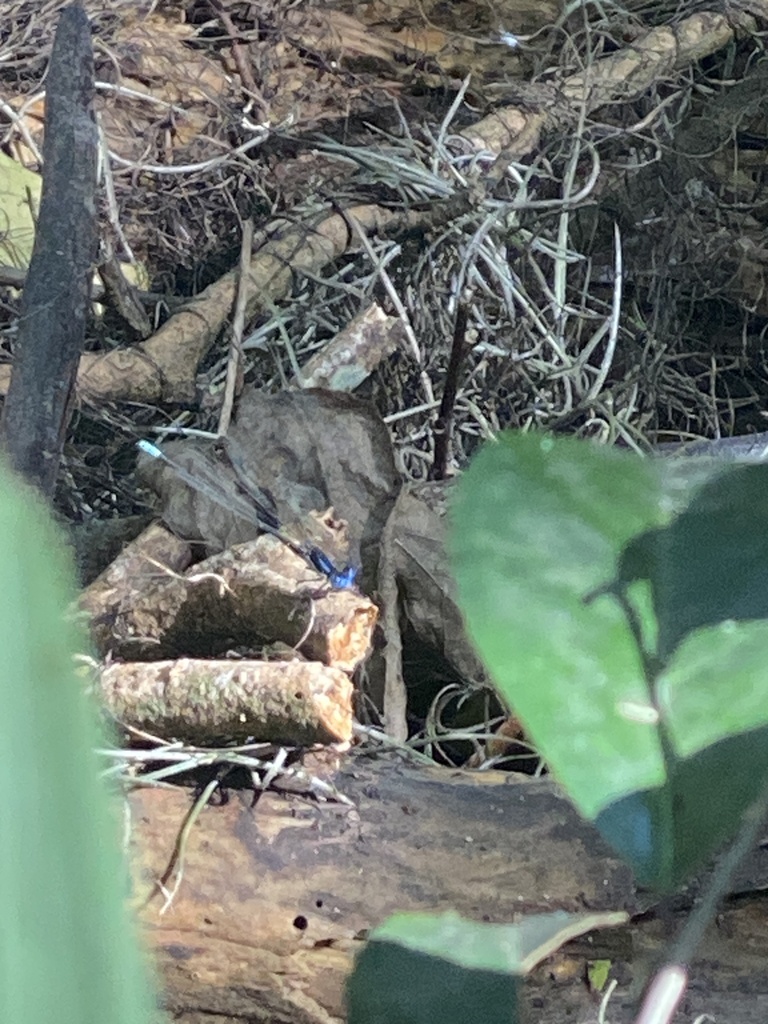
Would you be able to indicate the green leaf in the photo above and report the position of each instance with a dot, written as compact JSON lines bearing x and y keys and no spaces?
{"x":587,"y":601}
{"x":537,"y":530}
{"x":710,"y":564}
{"x":669,"y":833}
{"x":67,"y":949}
{"x":598,"y":973}
{"x":422,"y":968}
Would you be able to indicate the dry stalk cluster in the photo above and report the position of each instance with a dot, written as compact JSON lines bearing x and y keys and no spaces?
{"x":607,"y":252}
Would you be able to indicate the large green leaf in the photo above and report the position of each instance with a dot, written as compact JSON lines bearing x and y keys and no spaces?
{"x":629,"y":640}
{"x":404,"y":976}
{"x":538,"y":527}
{"x":67,"y":951}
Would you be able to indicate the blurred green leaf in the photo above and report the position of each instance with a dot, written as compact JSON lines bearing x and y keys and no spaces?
{"x":586,"y":577}
{"x":598,"y":973}
{"x":422,"y":968}
{"x":67,"y":950}
{"x":538,"y":526}
{"x":710,"y":564}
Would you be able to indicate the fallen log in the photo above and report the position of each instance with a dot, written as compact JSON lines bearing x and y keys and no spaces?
{"x":276,"y":896}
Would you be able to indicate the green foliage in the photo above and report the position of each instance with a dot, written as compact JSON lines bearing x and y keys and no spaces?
{"x":620,"y":605}
{"x":67,"y":950}
{"x":422,"y":968}
{"x":418,"y":969}
{"x":709,"y":564}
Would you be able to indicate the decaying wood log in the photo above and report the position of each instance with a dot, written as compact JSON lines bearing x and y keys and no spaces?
{"x":275,"y":899}
{"x":205,"y":702}
{"x":256,"y":593}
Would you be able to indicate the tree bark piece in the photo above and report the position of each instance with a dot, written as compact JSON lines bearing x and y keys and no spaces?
{"x":56,"y":297}
{"x":128,"y":602}
{"x":251,"y":595}
{"x":275,"y":900}
{"x":207,"y":703}
{"x":356,"y":351}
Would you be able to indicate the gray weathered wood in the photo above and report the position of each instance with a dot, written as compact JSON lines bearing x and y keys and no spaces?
{"x":56,"y":298}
